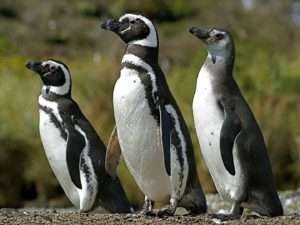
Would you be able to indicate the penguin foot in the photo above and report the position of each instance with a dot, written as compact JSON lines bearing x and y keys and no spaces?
{"x":147,"y":208}
{"x":236,"y":209}
{"x":145,"y":212}
{"x":235,"y":213}
{"x":168,"y":211}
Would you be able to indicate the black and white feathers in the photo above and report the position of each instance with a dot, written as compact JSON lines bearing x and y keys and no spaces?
{"x":230,"y":138}
{"x":151,"y":131}
{"x":75,"y":152}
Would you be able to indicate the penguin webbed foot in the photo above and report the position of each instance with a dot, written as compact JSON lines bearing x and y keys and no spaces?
{"x":147,"y":212}
{"x":235,"y":213}
{"x":236,"y":210}
{"x":147,"y":208}
{"x":169,"y":210}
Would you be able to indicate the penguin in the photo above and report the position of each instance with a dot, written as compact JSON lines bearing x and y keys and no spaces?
{"x":231,"y":141}
{"x":150,"y":131}
{"x":74,"y":150}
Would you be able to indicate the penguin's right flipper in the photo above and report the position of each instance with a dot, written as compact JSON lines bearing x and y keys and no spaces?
{"x":166,"y":127}
{"x":229,"y":131}
{"x":113,"y":154}
{"x":75,"y":145}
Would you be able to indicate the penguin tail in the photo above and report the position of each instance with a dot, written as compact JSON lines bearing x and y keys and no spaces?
{"x":266,"y":203}
{"x":112,"y":197}
{"x":194,"y":201}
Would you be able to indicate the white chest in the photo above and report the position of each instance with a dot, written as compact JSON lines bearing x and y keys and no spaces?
{"x":54,"y":144}
{"x":55,"y":148}
{"x":208,"y":119}
{"x":139,"y":136}
{"x":207,"y":113}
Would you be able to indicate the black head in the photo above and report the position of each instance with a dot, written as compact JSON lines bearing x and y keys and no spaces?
{"x":133,"y":29}
{"x":218,"y":41}
{"x":54,"y":74}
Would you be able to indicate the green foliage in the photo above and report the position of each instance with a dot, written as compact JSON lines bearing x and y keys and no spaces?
{"x":57,"y":39}
{"x":169,"y":10}
{"x":6,"y":45}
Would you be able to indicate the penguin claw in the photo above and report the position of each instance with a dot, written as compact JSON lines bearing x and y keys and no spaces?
{"x":146,"y":212}
{"x":168,"y":211}
{"x":147,"y":208}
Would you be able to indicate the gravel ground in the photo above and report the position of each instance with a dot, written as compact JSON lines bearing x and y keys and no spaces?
{"x":290,"y":201}
{"x":46,"y":217}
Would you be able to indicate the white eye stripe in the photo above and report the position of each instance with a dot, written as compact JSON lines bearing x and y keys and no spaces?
{"x":128,"y":16}
{"x":151,"y":39}
{"x":65,"y":88}
{"x":55,"y":65}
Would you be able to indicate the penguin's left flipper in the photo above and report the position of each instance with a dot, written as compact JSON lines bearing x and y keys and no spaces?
{"x":113,"y":154}
{"x":166,"y":128}
{"x":231,"y":127}
{"x":75,"y":145}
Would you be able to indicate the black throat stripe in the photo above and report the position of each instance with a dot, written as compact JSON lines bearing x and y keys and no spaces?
{"x":132,"y":66}
{"x":147,"y":82}
{"x":55,"y":121}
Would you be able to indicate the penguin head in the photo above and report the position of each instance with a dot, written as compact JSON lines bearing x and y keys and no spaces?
{"x":133,"y":29}
{"x":219,"y":42}
{"x":54,"y":74}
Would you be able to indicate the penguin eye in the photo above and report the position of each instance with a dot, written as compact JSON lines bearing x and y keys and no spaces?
{"x":52,"y":68}
{"x":132,"y":21}
{"x":219,"y":36}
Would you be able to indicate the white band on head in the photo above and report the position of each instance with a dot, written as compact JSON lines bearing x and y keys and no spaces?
{"x":151,"y":39}
{"x":65,"y":88}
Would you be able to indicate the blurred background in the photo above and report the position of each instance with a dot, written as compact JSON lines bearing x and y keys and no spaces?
{"x":267,"y":37}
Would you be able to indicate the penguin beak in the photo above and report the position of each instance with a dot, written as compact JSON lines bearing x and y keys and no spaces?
{"x":36,"y":67}
{"x":111,"y":24}
{"x":200,"y":33}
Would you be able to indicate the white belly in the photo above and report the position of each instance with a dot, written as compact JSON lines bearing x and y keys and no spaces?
{"x":55,"y":149}
{"x":139,"y":137}
{"x":208,"y":121}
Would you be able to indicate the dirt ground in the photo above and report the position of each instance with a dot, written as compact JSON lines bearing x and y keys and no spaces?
{"x":69,"y":216}
{"x":42,"y":217}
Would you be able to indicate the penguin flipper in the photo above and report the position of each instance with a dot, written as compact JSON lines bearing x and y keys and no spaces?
{"x":75,"y":145}
{"x":230,"y":129}
{"x":113,"y":154}
{"x":166,"y":127}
